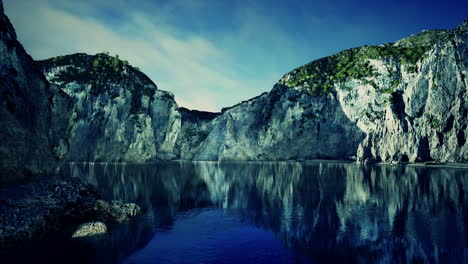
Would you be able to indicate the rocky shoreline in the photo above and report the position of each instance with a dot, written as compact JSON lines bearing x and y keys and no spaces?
{"x":28,"y":211}
{"x":37,"y":119}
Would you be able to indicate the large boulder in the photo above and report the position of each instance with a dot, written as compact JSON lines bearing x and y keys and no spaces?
{"x":90,"y":229}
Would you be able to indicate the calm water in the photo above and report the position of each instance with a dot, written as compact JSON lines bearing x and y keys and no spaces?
{"x":273,"y":212}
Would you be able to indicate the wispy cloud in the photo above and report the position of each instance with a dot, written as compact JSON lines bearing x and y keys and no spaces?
{"x":213,"y":53}
{"x":191,"y":67}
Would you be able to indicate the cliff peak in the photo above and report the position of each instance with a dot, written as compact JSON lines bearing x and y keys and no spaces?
{"x":320,"y":76}
{"x":100,"y":71}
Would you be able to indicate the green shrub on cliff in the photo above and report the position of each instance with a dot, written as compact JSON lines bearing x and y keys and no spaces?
{"x":100,"y":71}
{"x":322,"y":74}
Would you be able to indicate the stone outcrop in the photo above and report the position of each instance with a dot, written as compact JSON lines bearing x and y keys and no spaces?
{"x":111,"y":212}
{"x":36,"y":208}
{"x":35,"y":118}
{"x":29,"y":210}
{"x":121,"y":114}
{"x":282,"y":125}
{"x":195,"y":128}
{"x":91,"y":229}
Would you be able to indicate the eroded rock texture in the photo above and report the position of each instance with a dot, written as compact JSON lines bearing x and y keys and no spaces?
{"x":402,"y":101}
{"x":35,"y":118}
{"x":121,"y":115}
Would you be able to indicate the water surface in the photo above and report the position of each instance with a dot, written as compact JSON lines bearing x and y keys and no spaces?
{"x":275,"y":212}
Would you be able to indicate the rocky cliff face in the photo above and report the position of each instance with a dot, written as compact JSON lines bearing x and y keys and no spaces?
{"x":403,"y":101}
{"x":35,"y":118}
{"x":36,"y":122}
{"x":121,"y":114}
{"x":196,"y":126}
{"x":283,"y":124}
{"x":414,"y":105}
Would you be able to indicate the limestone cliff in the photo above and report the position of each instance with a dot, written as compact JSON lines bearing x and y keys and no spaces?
{"x":402,"y":101}
{"x":196,"y":125}
{"x":281,"y":125}
{"x":121,"y":114}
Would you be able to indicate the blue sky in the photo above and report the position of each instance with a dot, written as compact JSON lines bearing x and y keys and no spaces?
{"x":215,"y":53}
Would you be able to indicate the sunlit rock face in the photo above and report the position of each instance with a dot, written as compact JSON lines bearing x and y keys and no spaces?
{"x":384,"y":214}
{"x":121,"y":115}
{"x":408,"y":97}
{"x":35,"y":119}
{"x":403,"y":101}
{"x":282,"y":125}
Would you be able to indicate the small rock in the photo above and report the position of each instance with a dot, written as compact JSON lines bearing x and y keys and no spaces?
{"x":90,"y":229}
{"x":130,"y":209}
{"x":109,"y":213}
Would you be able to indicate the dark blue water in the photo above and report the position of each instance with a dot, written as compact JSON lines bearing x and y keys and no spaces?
{"x":274,"y":212}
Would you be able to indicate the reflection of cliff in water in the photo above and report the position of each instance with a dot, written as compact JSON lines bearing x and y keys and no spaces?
{"x":420,"y":212}
{"x":162,"y":189}
{"x":394,"y":214}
